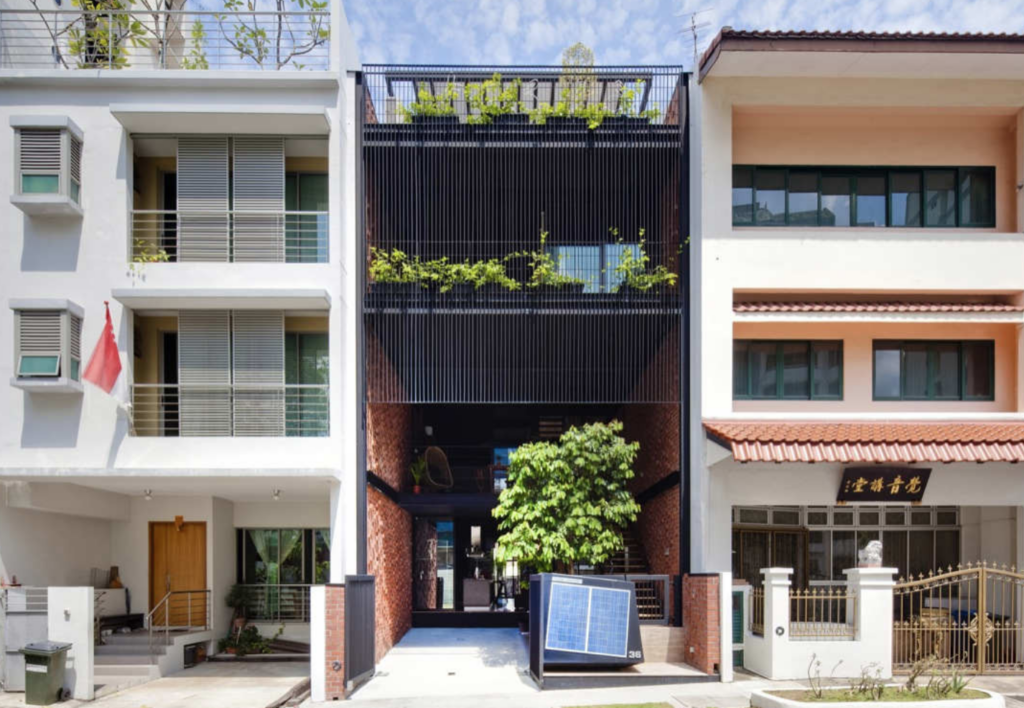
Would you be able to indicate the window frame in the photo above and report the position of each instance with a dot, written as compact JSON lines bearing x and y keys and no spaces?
{"x":71,"y":317}
{"x":810,"y":345}
{"x":932,"y":355}
{"x":69,"y":174}
{"x":854,"y":173}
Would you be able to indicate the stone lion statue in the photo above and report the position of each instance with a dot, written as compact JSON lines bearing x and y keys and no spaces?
{"x":871,"y":555}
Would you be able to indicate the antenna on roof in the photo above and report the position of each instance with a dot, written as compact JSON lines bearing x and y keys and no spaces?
{"x":696,"y":29}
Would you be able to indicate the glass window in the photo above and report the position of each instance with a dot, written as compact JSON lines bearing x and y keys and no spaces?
{"x":915,"y":370}
{"x":817,"y":517}
{"x":770,"y":209}
{"x":844,"y":552}
{"x":786,"y":517}
{"x":836,"y":196}
{"x":871,"y":200}
{"x":887,"y":370}
{"x":322,"y":556}
{"x":740,"y":364}
{"x":827,"y":361}
{"x":978,"y":374}
{"x":947,"y":549}
{"x":945,"y":517}
{"x":977,"y":197}
{"x":762,"y":369}
{"x":922,"y":552}
{"x":754,"y":516}
{"x":867,"y":518}
{"x":842,"y":517}
{"x":39,"y":365}
{"x":795,"y":370}
{"x":905,"y":197}
{"x":742,"y":195}
{"x":803,"y":198}
{"x":820,"y":555}
{"x":40,"y":184}
{"x":940,"y":198}
{"x":946,"y":382}
{"x":921,"y":518}
{"x":894,"y":551}
{"x":895,"y":518}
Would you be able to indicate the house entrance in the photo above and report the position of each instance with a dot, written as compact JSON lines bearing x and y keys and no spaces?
{"x":177,"y":565}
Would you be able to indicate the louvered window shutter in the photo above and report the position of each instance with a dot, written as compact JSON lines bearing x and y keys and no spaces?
{"x":39,"y":160}
{"x":75,"y":181}
{"x":203,"y":219}
{"x":259,"y":199}
{"x":39,"y":343}
{"x":75,"y":334}
{"x":258,"y":358}
{"x":204,"y":372}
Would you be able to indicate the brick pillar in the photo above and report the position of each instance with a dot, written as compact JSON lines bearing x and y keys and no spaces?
{"x":334,"y":642}
{"x":701,"y":621}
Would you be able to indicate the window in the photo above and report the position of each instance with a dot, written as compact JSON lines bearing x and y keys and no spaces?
{"x":787,"y":370}
{"x":934,"y":371}
{"x":283,"y":556}
{"x":48,"y":340}
{"x":48,"y":168}
{"x":593,"y":264}
{"x":942,"y":197}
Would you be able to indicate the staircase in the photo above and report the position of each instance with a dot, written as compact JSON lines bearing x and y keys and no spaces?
{"x":632,"y":560}
{"x":124,"y":660}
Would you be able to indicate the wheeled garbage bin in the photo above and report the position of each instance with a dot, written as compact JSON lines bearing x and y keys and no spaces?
{"x":44,"y":672}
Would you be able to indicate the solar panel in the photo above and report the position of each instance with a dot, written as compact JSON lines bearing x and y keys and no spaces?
{"x":588,"y":620}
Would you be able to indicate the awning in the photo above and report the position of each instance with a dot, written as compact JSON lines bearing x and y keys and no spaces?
{"x":220,"y":118}
{"x":223,"y":298}
{"x":867,"y":442}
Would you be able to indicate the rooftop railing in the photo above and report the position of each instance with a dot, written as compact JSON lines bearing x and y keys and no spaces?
{"x":166,"y":39}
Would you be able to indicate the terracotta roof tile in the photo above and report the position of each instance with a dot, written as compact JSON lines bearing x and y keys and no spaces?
{"x":855,"y":441}
{"x":874,"y":307}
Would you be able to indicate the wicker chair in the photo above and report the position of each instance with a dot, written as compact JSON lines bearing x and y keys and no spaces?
{"x":439,"y":472}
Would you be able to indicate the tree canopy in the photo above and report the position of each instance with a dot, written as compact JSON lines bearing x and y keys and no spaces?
{"x":568,"y":502}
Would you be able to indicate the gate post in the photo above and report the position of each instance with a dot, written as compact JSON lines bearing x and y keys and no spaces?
{"x":776,"y":619}
{"x":873,"y":590}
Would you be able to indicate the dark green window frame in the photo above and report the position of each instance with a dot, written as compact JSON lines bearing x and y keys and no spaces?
{"x":812,"y":395}
{"x":932,"y":349}
{"x":855,"y":173}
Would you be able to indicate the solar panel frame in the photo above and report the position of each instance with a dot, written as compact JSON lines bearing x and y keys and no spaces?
{"x":569,"y":642}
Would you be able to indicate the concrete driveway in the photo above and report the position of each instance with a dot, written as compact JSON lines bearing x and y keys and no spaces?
{"x":209,"y":685}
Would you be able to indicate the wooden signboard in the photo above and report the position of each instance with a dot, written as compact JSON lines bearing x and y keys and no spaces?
{"x":883,"y":484}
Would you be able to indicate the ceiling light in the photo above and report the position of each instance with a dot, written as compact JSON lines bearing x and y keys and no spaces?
{"x":277,"y":495}
{"x":147,"y":494}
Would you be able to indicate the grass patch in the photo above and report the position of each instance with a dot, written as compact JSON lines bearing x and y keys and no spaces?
{"x":896,"y":694}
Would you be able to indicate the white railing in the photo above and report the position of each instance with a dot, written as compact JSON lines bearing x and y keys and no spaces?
{"x":291,"y":410}
{"x":277,"y":603}
{"x":165,"y":39}
{"x":229,"y":236}
{"x":177,"y":611}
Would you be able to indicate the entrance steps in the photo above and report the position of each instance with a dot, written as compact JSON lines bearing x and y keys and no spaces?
{"x":631,"y":559}
{"x":124,"y":660}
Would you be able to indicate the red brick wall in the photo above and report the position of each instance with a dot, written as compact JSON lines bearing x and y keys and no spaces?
{"x":389,"y":443}
{"x":389,"y":559}
{"x":335,"y":642}
{"x":701,"y":622}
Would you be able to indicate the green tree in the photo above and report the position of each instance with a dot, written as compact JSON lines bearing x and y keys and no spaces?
{"x":567,"y":502}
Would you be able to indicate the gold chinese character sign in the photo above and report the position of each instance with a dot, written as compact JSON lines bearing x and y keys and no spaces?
{"x":883,"y":484}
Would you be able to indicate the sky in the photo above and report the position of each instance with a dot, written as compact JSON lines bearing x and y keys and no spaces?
{"x":631,"y":31}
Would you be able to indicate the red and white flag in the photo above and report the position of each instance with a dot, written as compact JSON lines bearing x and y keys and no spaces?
{"x":105,"y":364}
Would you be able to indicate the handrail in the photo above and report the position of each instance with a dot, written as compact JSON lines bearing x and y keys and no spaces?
{"x":166,"y":604}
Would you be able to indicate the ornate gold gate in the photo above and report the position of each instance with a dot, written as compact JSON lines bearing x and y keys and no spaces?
{"x":970,"y":617}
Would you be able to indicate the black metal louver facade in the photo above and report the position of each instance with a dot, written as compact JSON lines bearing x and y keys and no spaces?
{"x":466,"y":191}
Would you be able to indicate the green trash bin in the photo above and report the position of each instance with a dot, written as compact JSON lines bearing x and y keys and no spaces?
{"x":44,"y":672}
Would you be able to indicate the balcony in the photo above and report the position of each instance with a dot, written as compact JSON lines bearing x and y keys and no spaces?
{"x":229,"y":236}
{"x":165,"y":39}
{"x":291,"y":410}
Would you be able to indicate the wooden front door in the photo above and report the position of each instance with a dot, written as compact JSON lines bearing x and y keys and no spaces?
{"x":177,"y":564}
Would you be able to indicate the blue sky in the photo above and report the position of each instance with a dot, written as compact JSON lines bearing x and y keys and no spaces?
{"x":625,"y":31}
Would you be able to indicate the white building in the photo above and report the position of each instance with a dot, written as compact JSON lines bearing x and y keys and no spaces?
{"x":858,"y":305}
{"x":207,"y":191}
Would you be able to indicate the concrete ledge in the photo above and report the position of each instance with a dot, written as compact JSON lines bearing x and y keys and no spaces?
{"x":763,"y":699}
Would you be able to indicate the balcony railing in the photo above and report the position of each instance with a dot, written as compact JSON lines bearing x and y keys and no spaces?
{"x":165,"y":39}
{"x":278,"y":603}
{"x":229,"y":236}
{"x":292,"y":410}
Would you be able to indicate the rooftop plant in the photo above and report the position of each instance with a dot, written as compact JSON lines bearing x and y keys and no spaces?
{"x":492,"y":98}
{"x":632,"y":268}
{"x":544,"y":268}
{"x":430,"y":104}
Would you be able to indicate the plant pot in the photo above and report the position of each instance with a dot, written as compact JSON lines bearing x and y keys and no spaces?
{"x":393,"y":289}
{"x":461,"y":291}
{"x":560,"y":122}
{"x":435,"y":120}
{"x":625,"y":121}
{"x":231,"y":650}
{"x":416,"y":489}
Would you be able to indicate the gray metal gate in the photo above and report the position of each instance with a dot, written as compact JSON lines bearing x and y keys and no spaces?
{"x":360,"y":628}
{"x":22,"y":620}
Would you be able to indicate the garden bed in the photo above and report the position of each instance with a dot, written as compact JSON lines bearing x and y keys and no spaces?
{"x":891,"y":696}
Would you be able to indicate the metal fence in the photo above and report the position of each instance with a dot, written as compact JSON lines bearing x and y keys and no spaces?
{"x":757,"y":611}
{"x":165,"y":39}
{"x":360,"y":629}
{"x":278,"y":603}
{"x":292,"y":410}
{"x":822,"y":613}
{"x":160,"y":236}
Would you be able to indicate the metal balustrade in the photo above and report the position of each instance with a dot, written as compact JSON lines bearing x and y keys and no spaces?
{"x":822,"y":613}
{"x":291,"y":410}
{"x":757,"y":611}
{"x":229,"y":236}
{"x":278,"y":603}
{"x":145,"y":39}
{"x":177,"y":611}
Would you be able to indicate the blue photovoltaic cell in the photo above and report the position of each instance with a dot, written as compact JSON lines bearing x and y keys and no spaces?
{"x":567,"y":617}
{"x":608,"y":622}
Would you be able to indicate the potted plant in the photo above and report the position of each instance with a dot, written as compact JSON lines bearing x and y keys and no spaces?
{"x":431,"y":107}
{"x":490,"y":278}
{"x":633,"y":274}
{"x":492,"y":101}
{"x":240,"y":600}
{"x":418,"y":470}
{"x":626,"y":113}
{"x":544,"y":273}
{"x":393,"y":272}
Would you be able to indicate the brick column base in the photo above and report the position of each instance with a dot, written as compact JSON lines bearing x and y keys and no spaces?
{"x":701,"y":621}
{"x":334,"y":642}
